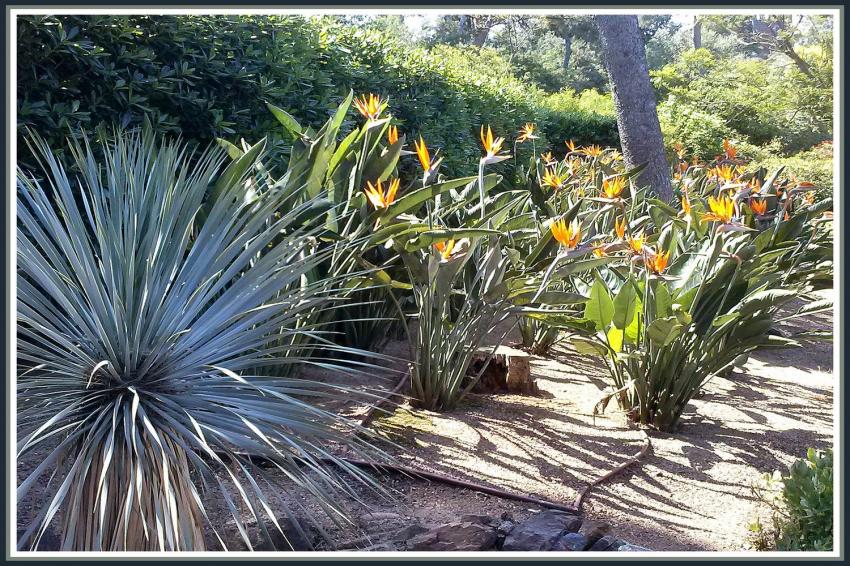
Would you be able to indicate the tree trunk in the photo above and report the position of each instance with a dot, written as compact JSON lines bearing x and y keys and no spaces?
{"x":801,"y":63}
{"x":568,"y":50}
{"x":480,"y":36}
{"x":697,"y":33}
{"x":637,"y":119}
{"x":465,"y":24}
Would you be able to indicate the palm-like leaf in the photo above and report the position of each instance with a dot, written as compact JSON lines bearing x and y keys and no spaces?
{"x":144,"y":333}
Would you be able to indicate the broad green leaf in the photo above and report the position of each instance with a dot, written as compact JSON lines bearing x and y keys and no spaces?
{"x":553,"y":298}
{"x":625,"y":304}
{"x":723,"y":319}
{"x":583,"y":265}
{"x":288,"y":122}
{"x":382,"y":166}
{"x":663,"y":331}
{"x":232,"y":151}
{"x":413,"y":200}
{"x":589,"y":346}
{"x":431,"y":237}
{"x":615,"y":339}
{"x":636,"y":325}
{"x":599,"y":308}
{"x":766,"y":299}
{"x":663,"y":300}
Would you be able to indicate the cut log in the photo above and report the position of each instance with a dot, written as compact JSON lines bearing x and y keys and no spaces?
{"x":509,"y":371}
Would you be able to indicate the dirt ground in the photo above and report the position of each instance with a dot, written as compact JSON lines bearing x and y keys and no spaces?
{"x":692,"y":491}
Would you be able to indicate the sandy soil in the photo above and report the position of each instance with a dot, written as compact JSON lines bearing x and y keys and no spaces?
{"x":691,"y":492}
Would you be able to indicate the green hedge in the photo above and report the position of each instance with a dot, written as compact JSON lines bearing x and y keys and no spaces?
{"x":208,"y":76}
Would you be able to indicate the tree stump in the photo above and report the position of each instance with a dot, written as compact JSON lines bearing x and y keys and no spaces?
{"x":509,"y":371}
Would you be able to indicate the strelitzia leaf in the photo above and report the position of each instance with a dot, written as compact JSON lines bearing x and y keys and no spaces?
{"x":663,"y":331}
{"x":287,"y":121}
{"x":589,"y":346}
{"x":625,"y":305}
{"x":414,"y":200}
{"x":599,"y":308}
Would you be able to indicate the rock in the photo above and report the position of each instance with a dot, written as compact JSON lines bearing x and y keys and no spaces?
{"x":541,"y":531}
{"x":507,"y":516}
{"x":380,"y":522}
{"x":607,"y":542}
{"x":595,"y":530}
{"x":480,"y":519}
{"x":632,"y":548}
{"x":572,"y":542}
{"x":455,"y":537}
{"x":502,"y":531}
{"x":409,"y":532}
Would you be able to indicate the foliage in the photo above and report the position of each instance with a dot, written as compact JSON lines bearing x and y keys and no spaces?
{"x":319,"y":161}
{"x":146,"y":327}
{"x":814,"y":165}
{"x":807,"y":493}
{"x":395,"y":236}
{"x":210,"y":76}
{"x":674,"y":300}
{"x":457,"y":310}
{"x":704,"y":98}
{"x":802,"y":504}
{"x":196,"y":76}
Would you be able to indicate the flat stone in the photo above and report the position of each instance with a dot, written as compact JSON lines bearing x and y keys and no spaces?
{"x":605,"y":543}
{"x":455,"y":537}
{"x":409,"y":532}
{"x":595,"y":530}
{"x":541,"y":531}
{"x":571,"y":542}
{"x":480,"y":519}
{"x":632,"y":548}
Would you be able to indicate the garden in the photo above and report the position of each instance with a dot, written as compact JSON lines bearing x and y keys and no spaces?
{"x":289,"y":283}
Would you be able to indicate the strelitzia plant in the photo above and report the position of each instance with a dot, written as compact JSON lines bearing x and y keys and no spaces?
{"x":666,"y":326}
{"x":455,"y":315}
{"x":145,"y":327}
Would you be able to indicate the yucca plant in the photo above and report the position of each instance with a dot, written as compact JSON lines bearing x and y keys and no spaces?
{"x":144,"y":331}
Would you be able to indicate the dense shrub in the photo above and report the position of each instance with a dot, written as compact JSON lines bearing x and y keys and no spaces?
{"x":208,"y":76}
{"x":807,"y":491}
{"x":704,"y":99}
{"x":699,"y":131}
{"x":813,"y":165}
{"x":802,"y":504}
{"x":197,"y":76}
